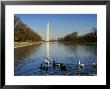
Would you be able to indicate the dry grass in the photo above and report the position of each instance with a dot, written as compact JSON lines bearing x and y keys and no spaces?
{"x":21,"y":44}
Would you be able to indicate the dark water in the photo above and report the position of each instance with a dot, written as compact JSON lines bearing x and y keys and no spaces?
{"x":28,"y":59}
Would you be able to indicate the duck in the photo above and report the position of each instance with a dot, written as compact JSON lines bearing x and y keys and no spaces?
{"x":60,"y":65}
{"x":94,"y":65}
{"x":46,"y":61}
{"x":63,"y":67}
{"x":56,"y":64}
{"x":43,"y":67}
{"x":81,"y":65}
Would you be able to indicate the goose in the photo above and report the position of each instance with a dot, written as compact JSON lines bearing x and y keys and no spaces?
{"x":43,"y":67}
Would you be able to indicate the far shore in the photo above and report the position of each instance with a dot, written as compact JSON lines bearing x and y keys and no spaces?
{"x":22,"y":44}
{"x":77,"y":42}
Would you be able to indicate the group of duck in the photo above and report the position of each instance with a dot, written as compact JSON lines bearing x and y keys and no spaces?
{"x":63,"y":66}
{"x":94,"y":65}
{"x":54,"y":65}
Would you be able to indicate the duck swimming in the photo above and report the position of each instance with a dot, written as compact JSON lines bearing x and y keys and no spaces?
{"x":81,"y":65}
{"x":56,"y":64}
{"x":46,"y":61}
{"x":43,"y":67}
{"x":94,"y":65}
{"x":60,"y":65}
{"x":63,"y":67}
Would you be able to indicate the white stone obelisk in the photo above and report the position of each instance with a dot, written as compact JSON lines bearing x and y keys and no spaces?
{"x":48,"y":31}
{"x":47,"y":44}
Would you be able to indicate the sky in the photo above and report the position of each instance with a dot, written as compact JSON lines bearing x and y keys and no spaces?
{"x":60,"y":24}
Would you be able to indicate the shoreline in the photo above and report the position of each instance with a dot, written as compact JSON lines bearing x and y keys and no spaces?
{"x":23,"y":44}
{"x":77,"y":42}
{"x":29,"y":44}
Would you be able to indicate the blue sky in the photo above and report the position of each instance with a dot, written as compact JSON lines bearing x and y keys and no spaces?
{"x":60,"y":24}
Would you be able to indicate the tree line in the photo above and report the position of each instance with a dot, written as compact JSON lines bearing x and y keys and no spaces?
{"x":74,"y":37}
{"x":23,"y":33}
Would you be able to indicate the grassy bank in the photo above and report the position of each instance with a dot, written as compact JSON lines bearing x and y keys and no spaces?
{"x":21,"y":44}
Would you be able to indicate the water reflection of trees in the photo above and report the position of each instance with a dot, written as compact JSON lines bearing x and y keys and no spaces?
{"x":23,"y":53}
{"x":70,"y":47}
{"x":77,"y":49}
{"x":91,"y":48}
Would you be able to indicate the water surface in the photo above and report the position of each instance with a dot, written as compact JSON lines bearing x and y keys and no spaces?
{"x":28,"y":59}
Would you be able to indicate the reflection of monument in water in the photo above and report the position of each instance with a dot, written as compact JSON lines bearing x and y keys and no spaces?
{"x":47,"y":44}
